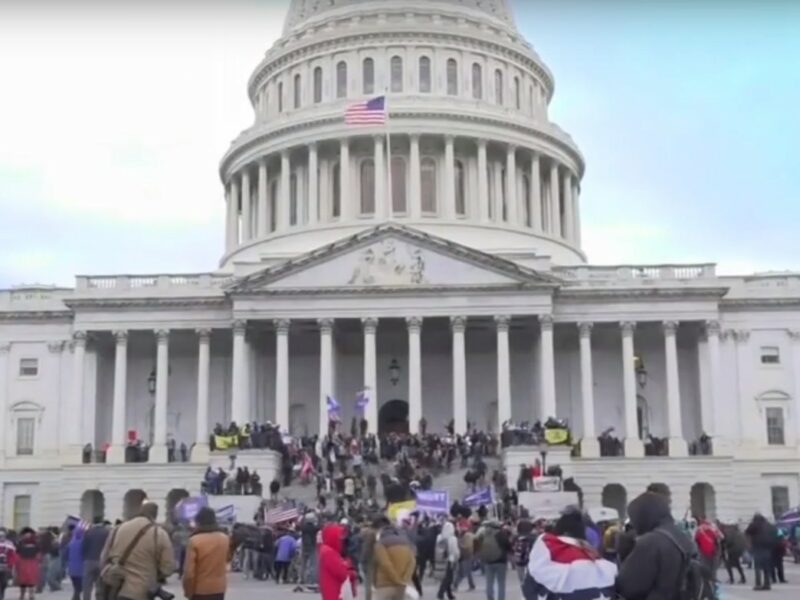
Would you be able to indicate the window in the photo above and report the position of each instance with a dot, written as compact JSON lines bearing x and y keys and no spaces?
{"x":461,"y":203}
{"x":398,"y":185}
{"x":397,"y":74}
{"x":526,"y":200}
{"x":273,"y":203}
{"x":770,"y":355}
{"x":780,"y":500}
{"x":298,"y":91}
{"x":424,"y":74}
{"x":280,"y":97}
{"x":452,"y":77}
{"x":317,"y":85}
{"x":22,"y":512}
{"x":368,"y":76}
{"x":28,"y":367}
{"x":368,"y":187}
{"x":341,"y":80}
{"x":428,"y":185}
{"x":498,"y":87}
{"x":775,"y":426}
{"x":25,"y":430}
{"x":293,"y":199}
{"x":477,"y":81}
{"x":336,"y":192}
{"x":517,"y":93}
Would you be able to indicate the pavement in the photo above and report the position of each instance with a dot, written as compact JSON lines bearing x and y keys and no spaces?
{"x":242,"y":589}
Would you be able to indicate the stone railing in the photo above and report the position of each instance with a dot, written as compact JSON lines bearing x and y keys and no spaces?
{"x":136,"y":282}
{"x":631,"y":273}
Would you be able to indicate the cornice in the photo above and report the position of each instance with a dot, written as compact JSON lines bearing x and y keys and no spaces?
{"x":591,"y":294}
{"x":384,"y":290}
{"x":147,"y":302}
{"x":36,"y":315}
{"x":750,"y":303}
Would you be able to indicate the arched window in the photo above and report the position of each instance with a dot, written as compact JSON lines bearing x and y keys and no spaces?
{"x":368,"y":76}
{"x":460,"y":189}
{"x":293,"y":199}
{"x":273,"y":204}
{"x":280,"y":97}
{"x":317,"y":85}
{"x":477,"y":81}
{"x":526,"y":200}
{"x":428,"y":185}
{"x":298,"y":91}
{"x":517,"y":93}
{"x":399,"y":185}
{"x":368,"y":187}
{"x":452,"y":77}
{"x":397,"y":74}
{"x":498,"y":87}
{"x":341,"y":80}
{"x":424,"y":74}
{"x":336,"y":191}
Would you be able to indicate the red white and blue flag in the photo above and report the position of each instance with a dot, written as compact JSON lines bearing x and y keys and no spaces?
{"x":282,"y":514}
{"x":368,"y":112}
{"x":564,"y":568}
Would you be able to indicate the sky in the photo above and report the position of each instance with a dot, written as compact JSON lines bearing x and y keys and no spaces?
{"x":114,"y":115}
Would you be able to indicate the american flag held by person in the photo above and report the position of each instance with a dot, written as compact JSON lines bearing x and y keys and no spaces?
{"x":282,"y":514}
{"x":367,"y":112}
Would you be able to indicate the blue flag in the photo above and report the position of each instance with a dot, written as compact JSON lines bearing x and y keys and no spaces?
{"x":362,"y":399}
{"x":333,"y":405}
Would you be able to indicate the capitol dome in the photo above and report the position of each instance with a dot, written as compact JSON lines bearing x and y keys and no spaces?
{"x":468,"y":153}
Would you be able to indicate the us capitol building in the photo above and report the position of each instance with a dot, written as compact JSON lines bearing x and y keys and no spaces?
{"x":453,"y":286}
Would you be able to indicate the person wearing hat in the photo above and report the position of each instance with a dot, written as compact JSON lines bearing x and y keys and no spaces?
{"x":206,"y":563}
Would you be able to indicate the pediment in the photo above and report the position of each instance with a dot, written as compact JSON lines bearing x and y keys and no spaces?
{"x":391,"y":257}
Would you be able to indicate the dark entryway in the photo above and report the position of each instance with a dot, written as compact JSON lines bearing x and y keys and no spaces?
{"x":393,"y":417}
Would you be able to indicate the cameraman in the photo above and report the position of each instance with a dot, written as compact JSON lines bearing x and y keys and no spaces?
{"x":150,"y":557}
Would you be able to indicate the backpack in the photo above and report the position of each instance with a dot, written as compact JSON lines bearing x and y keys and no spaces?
{"x":522,"y":550}
{"x":490,"y":551}
{"x":695,"y":580}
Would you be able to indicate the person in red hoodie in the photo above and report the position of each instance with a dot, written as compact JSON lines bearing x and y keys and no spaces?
{"x":708,"y":541}
{"x":334,"y":568}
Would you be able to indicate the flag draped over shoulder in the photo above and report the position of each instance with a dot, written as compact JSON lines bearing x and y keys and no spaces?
{"x":567,"y":569}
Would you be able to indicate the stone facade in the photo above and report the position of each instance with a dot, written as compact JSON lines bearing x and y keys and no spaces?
{"x":454,"y":288}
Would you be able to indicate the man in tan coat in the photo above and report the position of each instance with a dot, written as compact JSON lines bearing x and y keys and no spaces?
{"x":150,"y":561}
{"x":395,"y":563}
{"x":205,"y":575}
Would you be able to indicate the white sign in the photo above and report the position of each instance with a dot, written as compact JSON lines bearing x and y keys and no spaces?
{"x":547,"y":505}
{"x":546,"y":484}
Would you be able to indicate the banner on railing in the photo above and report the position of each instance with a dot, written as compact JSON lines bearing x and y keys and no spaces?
{"x":555,"y":437}
{"x":546,"y":484}
{"x":433,"y":502}
{"x":226,"y":514}
{"x":480,"y":498}
{"x":226,"y":442}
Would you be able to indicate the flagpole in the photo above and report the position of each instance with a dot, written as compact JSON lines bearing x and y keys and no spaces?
{"x":388,"y":156}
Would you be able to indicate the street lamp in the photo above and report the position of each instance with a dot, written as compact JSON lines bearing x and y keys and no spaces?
{"x":641,"y":371}
{"x":394,"y":372}
{"x":151,"y":382}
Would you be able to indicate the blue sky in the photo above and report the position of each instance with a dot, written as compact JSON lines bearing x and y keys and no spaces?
{"x":112,"y":123}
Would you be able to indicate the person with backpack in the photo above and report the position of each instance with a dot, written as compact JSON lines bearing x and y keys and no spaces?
{"x":494,"y":548}
{"x":522,"y":548}
{"x":708,"y":542}
{"x":466,"y":548}
{"x":660,"y":565}
{"x":8,"y":559}
{"x":446,"y":559}
{"x":762,"y":541}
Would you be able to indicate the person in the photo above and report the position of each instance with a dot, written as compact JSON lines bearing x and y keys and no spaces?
{"x":734,"y":545}
{"x":522,"y":548}
{"x":654,"y":567}
{"x":762,"y":539}
{"x":27,"y":564}
{"x":367,"y":559}
{"x":708,"y":545}
{"x":8,"y":560}
{"x":495,"y":546}
{"x":94,"y":539}
{"x":206,"y":562}
{"x":466,"y":548}
{"x":308,"y":537}
{"x":395,"y":564}
{"x":334,"y":569}
{"x":778,"y":553}
{"x":446,"y":558}
{"x":75,"y":562}
{"x":285,"y":549}
{"x":150,"y":557}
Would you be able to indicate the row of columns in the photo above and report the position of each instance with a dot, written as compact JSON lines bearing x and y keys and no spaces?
{"x":545,"y":210}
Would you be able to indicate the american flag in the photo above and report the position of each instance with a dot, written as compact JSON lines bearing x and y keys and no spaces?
{"x":282,"y":514}
{"x":368,"y":112}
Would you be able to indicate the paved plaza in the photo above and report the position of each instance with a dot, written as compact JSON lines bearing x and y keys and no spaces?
{"x":241,"y":589}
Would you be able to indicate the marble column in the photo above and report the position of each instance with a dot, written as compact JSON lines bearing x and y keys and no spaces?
{"x":677,"y":444}
{"x":380,"y":178}
{"x":5,"y":350}
{"x":458,"y":327}
{"x":346,"y":210}
{"x":536,"y":193}
{"x":590,"y":446}
{"x":158,"y":452}
{"x":231,"y":220}
{"x":794,"y":337}
{"x":77,"y":437}
{"x":282,"y":374}
{"x":569,"y":222}
{"x":547,"y":377}
{"x":284,"y":209}
{"x":633,"y":444}
{"x":503,"y":371}
{"x":247,"y":206}
{"x":263,"y":208}
{"x":200,"y":450}
{"x":313,"y":184}
{"x":415,"y":192}
{"x":325,"y":372}
{"x":449,"y":178}
{"x":714,"y":399}
{"x":576,"y":213}
{"x":555,"y":201}
{"x":511,"y":185}
{"x":239,"y":374}
{"x":497,"y":204}
{"x":483,"y":182}
{"x":371,"y":372}
{"x":116,"y":452}
{"x":236,"y":229}
{"x":414,"y":373}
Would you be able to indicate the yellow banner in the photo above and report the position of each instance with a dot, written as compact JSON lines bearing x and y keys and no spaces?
{"x":556,"y":436}
{"x":224,"y":442}
{"x":396,"y":507}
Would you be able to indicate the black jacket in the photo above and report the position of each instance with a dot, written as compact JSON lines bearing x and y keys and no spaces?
{"x":93,"y":542}
{"x":654,"y":568}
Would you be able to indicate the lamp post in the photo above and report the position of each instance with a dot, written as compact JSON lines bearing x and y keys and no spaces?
{"x":394,"y":372}
{"x":151,"y":383}
{"x":641,"y":371}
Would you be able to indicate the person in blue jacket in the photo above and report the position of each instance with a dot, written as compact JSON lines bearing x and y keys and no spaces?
{"x":75,"y":562}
